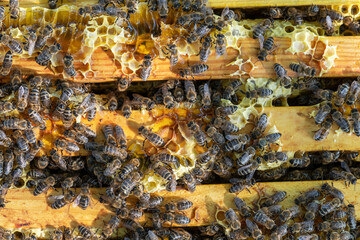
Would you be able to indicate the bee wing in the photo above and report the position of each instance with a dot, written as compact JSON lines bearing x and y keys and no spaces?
{"x":345,"y":166}
{"x":225,"y":11}
{"x":235,"y":180}
{"x":261,"y":41}
{"x":55,"y":197}
{"x":231,"y":137}
{"x":76,"y":201}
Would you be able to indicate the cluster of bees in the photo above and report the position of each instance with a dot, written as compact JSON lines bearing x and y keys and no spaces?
{"x":321,"y":210}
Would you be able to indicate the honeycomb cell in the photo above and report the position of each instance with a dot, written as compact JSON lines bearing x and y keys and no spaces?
{"x":289,"y":29}
{"x":354,"y":10}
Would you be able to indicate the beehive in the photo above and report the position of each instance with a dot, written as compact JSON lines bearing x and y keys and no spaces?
{"x":98,"y":41}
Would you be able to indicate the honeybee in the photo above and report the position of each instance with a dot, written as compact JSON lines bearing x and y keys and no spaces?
{"x":123,"y":83}
{"x":323,"y":132}
{"x":238,"y":185}
{"x":66,"y":145}
{"x":13,"y":44}
{"x":4,"y":187}
{"x":168,"y":98}
{"x":296,"y":15}
{"x":31,"y":40}
{"x":205,"y":49}
{"x":274,"y":199}
{"x":57,"y":157}
{"x":195,"y":69}
{"x":289,"y":213}
{"x":4,"y":140}
{"x":129,"y":183}
{"x":253,"y":228}
{"x":83,"y":200}
{"x":351,"y":220}
{"x":179,"y":205}
{"x":16,"y":79}
{"x":328,"y":25}
{"x":279,"y":232}
{"x":205,"y":94}
{"x":163,"y":9}
{"x":329,"y":207}
{"x":172,"y":53}
{"x":352,"y":25}
{"x":14,"y":9}
{"x":7,"y":63}
{"x":153,"y":138}
{"x":312,"y":10}
{"x":209,"y":155}
{"x":126,"y":108}
{"x":190,"y":18}
{"x":244,"y":210}
{"x":34,"y":98}
{"x":308,"y":196}
{"x":176,"y":218}
{"x":341,"y":121}
{"x":232,"y":219}
{"x":261,"y":28}
{"x":86,"y":233}
{"x":338,"y":174}
{"x":190,"y":182}
{"x":302,"y":227}
{"x":353,"y":93}
{"x":333,"y":14}
{"x":44,"y":56}
{"x":190,"y":91}
{"x":146,"y":68}
{"x":109,"y":135}
{"x":44,"y":185}
{"x":275,"y":12}
{"x":6,"y":107}
{"x":69,"y":69}
{"x":131,"y":6}
{"x":302,"y":162}
{"x":336,"y":193}
{"x":323,"y":112}
{"x":21,"y":142}
{"x":225,"y":125}
{"x":143,"y":101}
{"x":112,"y":167}
{"x":260,"y":126}
{"x":14,"y":123}
{"x":52,"y":3}
{"x":329,"y":157}
{"x":226,"y":16}
{"x":110,"y":227}
{"x":266,"y":140}
{"x":281,"y":73}
{"x":198,"y":134}
{"x":341,"y":93}
{"x":302,"y":69}
{"x":42,"y":162}
{"x":43,"y":37}
{"x":62,"y":200}
{"x":82,"y":128}
{"x":93,"y":10}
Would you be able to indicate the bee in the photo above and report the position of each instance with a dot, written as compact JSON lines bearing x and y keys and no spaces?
{"x":205,"y":49}
{"x":112,"y":167}
{"x":42,"y":162}
{"x":16,"y":79}
{"x":289,"y":213}
{"x":6,"y":107}
{"x":341,"y":93}
{"x":135,"y":213}
{"x":225,"y":110}
{"x":190,"y":91}
{"x":352,"y":25}
{"x":43,"y":37}
{"x":353,"y":93}
{"x":2,"y":14}
{"x":91,"y":109}
{"x":69,"y":69}
{"x":333,"y":14}
{"x":265,"y":49}
{"x":266,"y":140}
{"x":114,"y":151}
{"x":275,"y":12}
{"x":322,"y":133}
{"x":205,"y":94}
{"x":195,"y":69}
{"x":69,"y":182}
{"x":237,"y":144}
{"x":93,"y":10}
{"x":231,"y":89}
{"x":176,"y":218}
{"x":260,"y":126}
{"x":339,"y":215}
{"x":82,"y":128}
{"x":274,"y":199}
{"x":143,"y":101}
{"x":351,"y":220}
{"x":232,"y":219}
{"x":172,"y":53}
{"x":44,"y":185}
{"x":336,"y":193}
{"x":126,"y":108}
{"x":168,"y":98}
{"x":146,"y":68}
{"x":86,"y":232}
{"x":338,"y":174}
{"x":123,"y":83}
{"x":131,"y":6}
{"x":164,"y":158}
{"x":83,"y":200}
{"x":226,"y":16}
{"x":209,"y":155}
{"x":225,"y":125}
{"x":279,"y":232}
{"x":296,"y":15}
{"x":66,"y":145}
{"x":281,"y":73}
{"x":129,"y":183}
{"x":120,"y":137}
{"x":22,"y":98}
{"x":302,"y":69}
{"x":238,"y":185}
{"x":190,"y":182}
{"x":190,"y":18}
{"x":220,"y":44}
{"x":57,"y":157}
{"x":31,"y":40}
{"x":14,"y":9}
{"x":52,"y":3}
{"x":62,"y":200}
{"x":163,"y":9}
{"x":153,"y":138}
{"x":179,"y":205}
{"x":302,"y":227}
{"x":341,"y":121}
{"x":308,"y":196}
{"x":68,"y":117}
{"x":275,"y":156}
{"x":329,"y":207}
{"x":312,"y":209}
{"x":323,"y":112}
{"x":198,"y":134}
{"x":43,"y":59}
{"x":21,"y":142}
{"x":244,"y":210}
{"x":312,"y":10}
{"x":109,"y":135}
{"x":34,"y":98}
{"x":302,"y":162}
{"x":259,"y":92}
{"x":14,"y":123}
{"x":198,"y":33}
{"x":109,"y":228}
{"x":132,"y":225}
{"x":253,"y":228}
{"x":261,"y":28}
{"x":329,"y":157}
{"x":7,"y":63}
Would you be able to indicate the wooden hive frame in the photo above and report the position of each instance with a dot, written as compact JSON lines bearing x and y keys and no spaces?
{"x":26,"y":211}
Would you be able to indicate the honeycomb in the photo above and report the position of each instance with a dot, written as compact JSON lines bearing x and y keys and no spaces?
{"x":80,"y":36}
